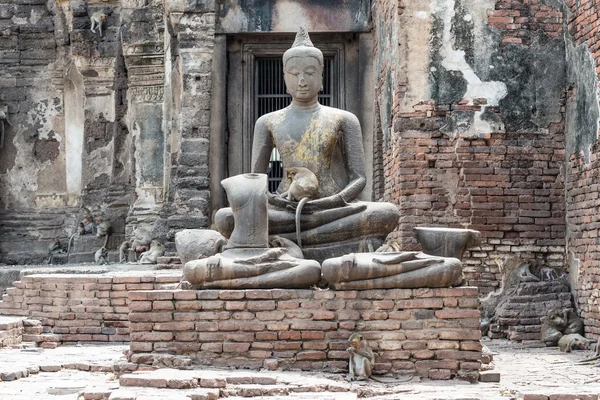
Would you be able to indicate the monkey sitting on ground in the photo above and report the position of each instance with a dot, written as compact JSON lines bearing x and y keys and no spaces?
{"x":303,"y":187}
{"x":96,"y":20}
{"x":574,"y":341}
{"x":552,"y":328}
{"x":151,"y":256}
{"x":362,"y":359}
{"x":101,"y":256}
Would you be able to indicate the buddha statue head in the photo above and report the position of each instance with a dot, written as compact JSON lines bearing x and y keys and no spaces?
{"x":303,"y":69}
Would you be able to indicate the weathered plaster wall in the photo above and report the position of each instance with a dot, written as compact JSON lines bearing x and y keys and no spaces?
{"x":33,"y":153}
{"x":286,"y":15}
{"x":583,"y":160}
{"x":32,"y":161}
{"x":472,"y":127}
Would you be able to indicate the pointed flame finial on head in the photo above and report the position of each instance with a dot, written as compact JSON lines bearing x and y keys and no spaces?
{"x":302,"y":38}
{"x":303,"y":47}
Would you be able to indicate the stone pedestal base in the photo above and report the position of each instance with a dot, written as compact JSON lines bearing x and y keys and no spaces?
{"x":430,"y":332}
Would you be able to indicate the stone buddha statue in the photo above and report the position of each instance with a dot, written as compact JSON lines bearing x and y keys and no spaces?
{"x":328,"y":142}
{"x":324,"y":145}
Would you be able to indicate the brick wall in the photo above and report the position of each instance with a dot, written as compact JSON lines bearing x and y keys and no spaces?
{"x":75,"y":308}
{"x":433,"y":332}
{"x":583,"y":181}
{"x":509,"y":187}
{"x":584,"y":242}
{"x":519,"y":21}
{"x":508,"y":183}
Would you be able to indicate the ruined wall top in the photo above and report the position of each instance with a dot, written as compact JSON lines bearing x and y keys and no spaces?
{"x":285,"y":16}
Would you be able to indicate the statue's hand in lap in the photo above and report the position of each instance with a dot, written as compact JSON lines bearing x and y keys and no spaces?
{"x":326,"y":203}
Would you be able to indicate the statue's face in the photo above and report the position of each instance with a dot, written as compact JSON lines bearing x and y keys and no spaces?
{"x":303,"y":78}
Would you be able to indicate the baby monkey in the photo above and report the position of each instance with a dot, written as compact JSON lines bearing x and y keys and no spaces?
{"x":303,"y":187}
{"x":362,"y":359}
{"x":97,"y":19}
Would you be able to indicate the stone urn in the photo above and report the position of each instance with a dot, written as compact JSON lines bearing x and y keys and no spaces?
{"x":446,"y":242}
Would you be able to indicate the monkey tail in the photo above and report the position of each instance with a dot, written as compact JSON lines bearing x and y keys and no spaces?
{"x":106,"y":240}
{"x":70,"y":244}
{"x":298,"y":214}
{"x":1,"y":134}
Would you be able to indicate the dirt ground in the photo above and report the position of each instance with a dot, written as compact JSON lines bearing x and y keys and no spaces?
{"x":78,"y":375}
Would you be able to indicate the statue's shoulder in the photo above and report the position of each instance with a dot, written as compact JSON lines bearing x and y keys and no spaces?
{"x":271,"y":117}
{"x":339,"y":113}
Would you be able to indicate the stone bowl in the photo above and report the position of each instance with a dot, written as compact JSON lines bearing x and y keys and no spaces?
{"x":446,"y":242}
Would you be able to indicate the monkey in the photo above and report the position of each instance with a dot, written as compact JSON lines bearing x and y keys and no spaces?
{"x":88,"y":225}
{"x":101,"y":256}
{"x":97,"y":19}
{"x":81,"y":229}
{"x":124,"y":251}
{"x":389,"y":247}
{"x":102,"y":227}
{"x":594,"y":357}
{"x":3,"y":118}
{"x":156,"y":250}
{"x":291,"y":247}
{"x":54,"y":248}
{"x":525,"y":275}
{"x":141,"y":242}
{"x":574,"y":322}
{"x":484,"y":325}
{"x":552,"y":327}
{"x":548,"y":274}
{"x":303,"y":187}
{"x":362,"y":359}
{"x":573,"y":341}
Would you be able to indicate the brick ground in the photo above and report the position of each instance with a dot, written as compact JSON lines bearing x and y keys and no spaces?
{"x":527,"y":373}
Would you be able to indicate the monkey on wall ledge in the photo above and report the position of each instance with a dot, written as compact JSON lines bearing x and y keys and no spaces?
{"x":96,"y":21}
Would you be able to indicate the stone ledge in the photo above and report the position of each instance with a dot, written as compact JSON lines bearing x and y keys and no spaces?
{"x":431,"y":332}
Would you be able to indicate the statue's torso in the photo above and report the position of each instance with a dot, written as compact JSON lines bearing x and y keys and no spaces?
{"x":310,"y":139}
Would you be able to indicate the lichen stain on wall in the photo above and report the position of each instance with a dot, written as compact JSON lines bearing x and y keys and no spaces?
{"x":583,"y":112}
{"x":39,"y":152}
{"x":287,"y":15}
{"x":455,"y":59}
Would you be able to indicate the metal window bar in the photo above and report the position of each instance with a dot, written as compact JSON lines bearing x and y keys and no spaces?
{"x":270,"y":95}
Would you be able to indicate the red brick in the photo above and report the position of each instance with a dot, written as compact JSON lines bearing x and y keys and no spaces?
{"x":236,"y":347}
{"x":151,"y":336}
{"x":163,"y":305}
{"x":311,"y":355}
{"x":453,"y":313}
{"x":162,"y":316}
{"x":440,"y":374}
{"x":185,"y":295}
{"x":267,"y":305}
{"x":174,"y":326}
{"x":290,"y":335}
{"x":161,"y":295}
{"x":420,"y":303}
